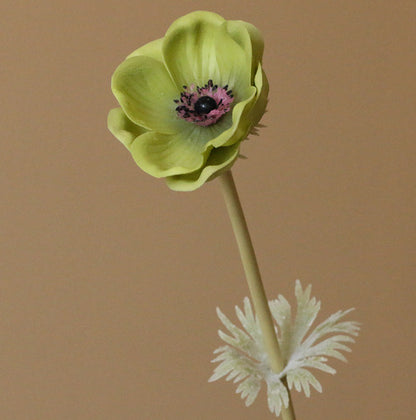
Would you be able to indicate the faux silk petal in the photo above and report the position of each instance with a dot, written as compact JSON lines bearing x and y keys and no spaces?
{"x":219,"y":161}
{"x":163,"y":155}
{"x":122,"y":128}
{"x":241,"y":125}
{"x":197,"y":47}
{"x":250,"y":39}
{"x":259,"y":107}
{"x":146,"y":92}
{"x":152,"y":49}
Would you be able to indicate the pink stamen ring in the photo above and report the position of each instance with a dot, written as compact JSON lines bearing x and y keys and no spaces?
{"x":204,"y":105}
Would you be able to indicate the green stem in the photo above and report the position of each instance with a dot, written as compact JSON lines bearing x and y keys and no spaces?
{"x":255,"y":284}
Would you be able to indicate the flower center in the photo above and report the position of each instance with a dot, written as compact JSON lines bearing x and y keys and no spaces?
{"x":204,"y":105}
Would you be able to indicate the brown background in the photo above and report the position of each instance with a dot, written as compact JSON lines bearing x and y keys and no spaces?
{"x":109,"y":281}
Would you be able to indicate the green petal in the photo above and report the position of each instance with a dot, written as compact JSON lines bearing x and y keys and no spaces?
{"x":152,"y":49}
{"x":262,"y":86}
{"x":219,"y":161}
{"x":163,"y":155}
{"x":146,"y":92}
{"x":257,"y":44}
{"x":250,"y":39}
{"x":122,"y":128}
{"x":241,"y":124}
{"x":246,"y":114}
{"x":197,"y":47}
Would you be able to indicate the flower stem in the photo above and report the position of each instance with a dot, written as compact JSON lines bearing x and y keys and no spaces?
{"x":254,"y":281}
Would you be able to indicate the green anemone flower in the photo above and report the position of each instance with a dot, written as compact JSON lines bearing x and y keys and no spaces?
{"x":189,"y":99}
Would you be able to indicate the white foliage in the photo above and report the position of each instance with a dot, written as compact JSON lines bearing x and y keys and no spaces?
{"x":243,"y":359}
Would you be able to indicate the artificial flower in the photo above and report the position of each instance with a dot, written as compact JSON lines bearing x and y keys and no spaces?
{"x":244,"y":358}
{"x":187,"y":100}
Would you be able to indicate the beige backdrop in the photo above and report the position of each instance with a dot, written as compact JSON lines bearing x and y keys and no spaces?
{"x":109,"y":281}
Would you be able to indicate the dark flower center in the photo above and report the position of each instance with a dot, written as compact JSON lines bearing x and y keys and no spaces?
{"x":204,"y":105}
